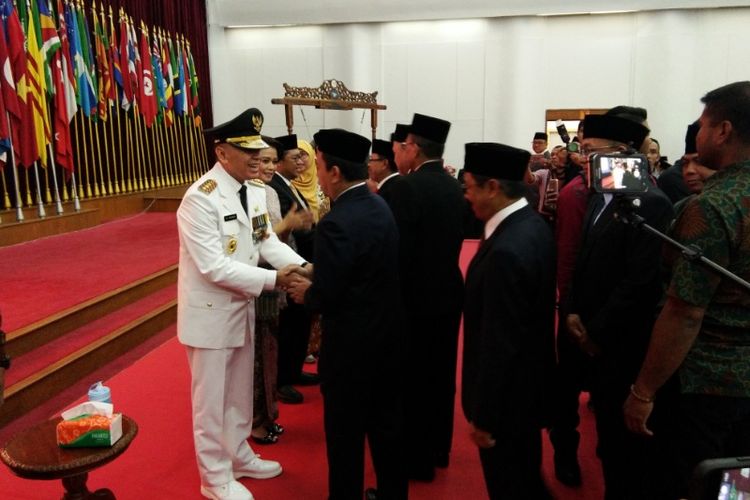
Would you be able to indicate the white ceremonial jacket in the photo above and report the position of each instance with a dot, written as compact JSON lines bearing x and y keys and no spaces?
{"x":218,"y":274}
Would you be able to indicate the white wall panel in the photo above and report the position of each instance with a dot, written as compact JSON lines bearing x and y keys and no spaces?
{"x":493,"y":78}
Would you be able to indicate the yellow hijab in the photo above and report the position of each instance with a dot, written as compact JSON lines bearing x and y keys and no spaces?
{"x":307,"y":181}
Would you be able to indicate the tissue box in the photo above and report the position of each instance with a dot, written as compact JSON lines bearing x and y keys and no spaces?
{"x":89,"y":425}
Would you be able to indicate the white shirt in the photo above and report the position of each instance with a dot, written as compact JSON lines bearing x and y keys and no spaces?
{"x":349,"y":189}
{"x":380,"y":184}
{"x":501,"y":215}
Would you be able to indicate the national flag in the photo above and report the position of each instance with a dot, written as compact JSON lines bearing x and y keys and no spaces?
{"x":147,"y":95}
{"x":69,"y":82}
{"x":49,"y":40}
{"x":87,"y":53}
{"x":105,"y":91}
{"x":125,"y":63}
{"x":194,"y":97}
{"x":181,"y":95}
{"x":36,"y":101}
{"x":114,"y":56}
{"x":5,"y":141}
{"x":86,"y":95}
{"x":65,"y":96}
{"x":16,"y":80}
{"x":134,"y":68}
{"x":63,"y":145}
{"x":158,"y":76}
{"x":166,"y":58}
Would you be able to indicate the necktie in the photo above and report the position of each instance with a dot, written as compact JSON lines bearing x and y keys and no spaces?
{"x":243,"y":197}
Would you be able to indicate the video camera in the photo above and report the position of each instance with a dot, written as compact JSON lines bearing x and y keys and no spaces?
{"x":618,"y":173}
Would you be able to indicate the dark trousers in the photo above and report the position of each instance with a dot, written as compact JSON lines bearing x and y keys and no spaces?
{"x":351,"y":413}
{"x":431,"y":386}
{"x":512,"y":468}
{"x":294,"y":334}
{"x":570,"y":374}
{"x":703,"y":427}
{"x":628,"y":460}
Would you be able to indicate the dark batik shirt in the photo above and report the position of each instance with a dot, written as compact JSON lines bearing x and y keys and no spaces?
{"x":718,"y":222}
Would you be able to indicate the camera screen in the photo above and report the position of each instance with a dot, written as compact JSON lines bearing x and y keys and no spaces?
{"x":735,"y":484}
{"x":619,"y":173}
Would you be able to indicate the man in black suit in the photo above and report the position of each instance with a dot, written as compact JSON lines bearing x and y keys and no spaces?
{"x":294,"y":321}
{"x":509,"y":323}
{"x":612,"y":305}
{"x":382,"y":168}
{"x":355,"y":289}
{"x":428,"y":207}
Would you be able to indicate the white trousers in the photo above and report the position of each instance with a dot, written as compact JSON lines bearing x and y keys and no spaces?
{"x":222,"y":397}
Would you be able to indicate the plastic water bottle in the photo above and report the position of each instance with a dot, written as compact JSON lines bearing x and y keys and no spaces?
{"x":99,"y":392}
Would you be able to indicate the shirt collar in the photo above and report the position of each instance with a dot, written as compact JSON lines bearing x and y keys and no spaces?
{"x":501,"y":215}
{"x":380,"y":184}
{"x":349,"y":189}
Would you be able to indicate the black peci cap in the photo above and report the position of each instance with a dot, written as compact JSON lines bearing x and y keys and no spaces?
{"x":495,"y":160}
{"x":430,"y":128}
{"x":343,"y":144}
{"x":615,"y":128}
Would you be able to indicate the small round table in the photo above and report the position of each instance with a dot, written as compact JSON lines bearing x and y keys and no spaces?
{"x":34,"y":454}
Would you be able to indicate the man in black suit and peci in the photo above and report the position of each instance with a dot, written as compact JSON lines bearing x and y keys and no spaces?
{"x":509,"y":323}
{"x":428,"y":207}
{"x":355,"y":289}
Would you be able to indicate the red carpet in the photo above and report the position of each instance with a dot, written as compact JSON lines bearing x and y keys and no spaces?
{"x":45,"y":276}
{"x":160,"y":463}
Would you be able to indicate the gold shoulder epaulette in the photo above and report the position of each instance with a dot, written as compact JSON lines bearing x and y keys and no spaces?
{"x":208,"y":186}
{"x":257,"y":183}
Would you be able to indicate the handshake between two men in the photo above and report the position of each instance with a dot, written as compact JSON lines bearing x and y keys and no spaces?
{"x":295,"y":280}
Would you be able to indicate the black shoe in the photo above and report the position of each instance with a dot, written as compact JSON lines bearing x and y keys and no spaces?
{"x":371,"y":494}
{"x":442,"y":460}
{"x":276,"y":429}
{"x":269,"y":438}
{"x":568,"y":471}
{"x":307,"y":378}
{"x":289,"y":395}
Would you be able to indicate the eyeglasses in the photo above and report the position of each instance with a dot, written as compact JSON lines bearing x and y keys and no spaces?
{"x":404,"y":144}
{"x":371,"y":159}
{"x":296,"y":158}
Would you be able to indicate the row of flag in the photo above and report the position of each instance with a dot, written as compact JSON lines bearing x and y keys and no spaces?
{"x":54,"y":66}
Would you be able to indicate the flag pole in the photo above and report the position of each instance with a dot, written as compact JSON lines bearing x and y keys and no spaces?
{"x":19,"y":209}
{"x":97,"y":193}
{"x":42,"y":213}
{"x":95,"y":127}
{"x":132,"y":179}
{"x":47,"y":194}
{"x":177,"y":140}
{"x":58,"y":203}
{"x":139,"y":147}
{"x":81,"y":165}
{"x":6,"y":197}
{"x":162,"y":155}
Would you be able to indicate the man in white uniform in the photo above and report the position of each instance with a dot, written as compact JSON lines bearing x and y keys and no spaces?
{"x":224,"y":230}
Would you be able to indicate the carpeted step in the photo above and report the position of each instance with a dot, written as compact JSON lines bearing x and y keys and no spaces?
{"x":45,"y":371}
{"x":53,"y":351}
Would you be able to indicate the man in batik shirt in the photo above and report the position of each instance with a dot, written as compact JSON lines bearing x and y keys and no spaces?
{"x":703,"y":332}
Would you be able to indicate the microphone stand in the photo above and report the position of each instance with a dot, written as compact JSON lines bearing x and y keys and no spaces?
{"x":625,"y":212}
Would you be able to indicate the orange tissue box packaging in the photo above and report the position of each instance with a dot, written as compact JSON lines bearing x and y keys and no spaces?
{"x":89,"y":425}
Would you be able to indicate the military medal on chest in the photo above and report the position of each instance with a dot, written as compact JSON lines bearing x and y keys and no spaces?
{"x":260,"y":225}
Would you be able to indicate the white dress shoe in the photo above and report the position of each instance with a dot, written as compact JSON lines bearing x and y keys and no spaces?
{"x":230,"y":491}
{"x":258,"y":469}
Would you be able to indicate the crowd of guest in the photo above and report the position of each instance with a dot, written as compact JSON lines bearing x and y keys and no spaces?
{"x":356,"y":244}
